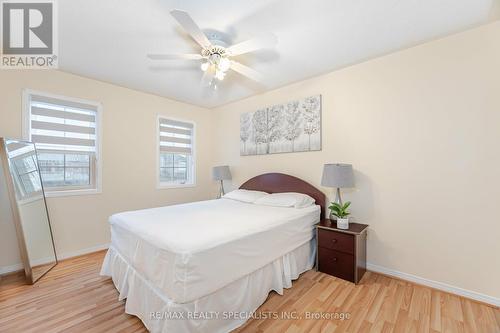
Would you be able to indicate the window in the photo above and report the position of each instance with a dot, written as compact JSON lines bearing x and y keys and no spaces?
{"x":176,"y":153}
{"x":65,"y":132}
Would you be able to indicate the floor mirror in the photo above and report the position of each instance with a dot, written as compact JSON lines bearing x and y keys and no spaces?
{"x":21,"y":179}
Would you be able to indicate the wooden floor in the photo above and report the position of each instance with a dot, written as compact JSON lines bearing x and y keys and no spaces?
{"x":74,"y":298}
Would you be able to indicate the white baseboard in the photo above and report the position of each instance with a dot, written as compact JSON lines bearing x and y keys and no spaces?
{"x":11,"y":269}
{"x":77,"y":253}
{"x":435,"y":284}
{"x":62,"y":256}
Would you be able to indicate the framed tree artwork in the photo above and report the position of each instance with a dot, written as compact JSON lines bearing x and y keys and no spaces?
{"x":284,"y":128}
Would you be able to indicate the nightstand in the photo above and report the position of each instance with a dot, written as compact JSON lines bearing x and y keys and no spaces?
{"x":341,"y":253}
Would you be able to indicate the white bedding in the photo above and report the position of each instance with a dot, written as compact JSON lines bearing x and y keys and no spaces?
{"x":242,"y":296}
{"x":189,"y":251}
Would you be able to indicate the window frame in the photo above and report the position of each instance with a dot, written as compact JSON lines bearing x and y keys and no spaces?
{"x":92,"y":172}
{"x":95,"y":186}
{"x":167,"y":185}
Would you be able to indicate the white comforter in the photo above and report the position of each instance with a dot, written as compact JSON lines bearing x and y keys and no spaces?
{"x":189,"y":251}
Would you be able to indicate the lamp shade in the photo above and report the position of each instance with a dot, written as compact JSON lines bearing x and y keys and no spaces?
{"x":337,"y":175}
{"x":221,"y":172}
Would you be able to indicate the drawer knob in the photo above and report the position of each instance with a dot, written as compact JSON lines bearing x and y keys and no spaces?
{"x":334,"y":259}
{"x":334,"y":240}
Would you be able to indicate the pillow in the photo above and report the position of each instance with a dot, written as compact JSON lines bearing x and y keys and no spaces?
{"x":288,"y":199}
{"x":245,"y":195}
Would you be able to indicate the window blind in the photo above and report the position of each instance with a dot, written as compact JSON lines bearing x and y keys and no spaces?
{"x":62,"y":125}
{"x":66,"y":137}
{"x":176,"y":136}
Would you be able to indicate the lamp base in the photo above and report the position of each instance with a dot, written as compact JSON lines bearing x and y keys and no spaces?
{"x":338,"y":199}
{"x":221,"y":190}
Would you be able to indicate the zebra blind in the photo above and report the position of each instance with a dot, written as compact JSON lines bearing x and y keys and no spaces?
{"x":62,"y":125}
{"x":176,"y":136}
{"x":65,"y":134}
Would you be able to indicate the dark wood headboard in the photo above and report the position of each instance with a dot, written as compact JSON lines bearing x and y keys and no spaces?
{"x":279,"y":183}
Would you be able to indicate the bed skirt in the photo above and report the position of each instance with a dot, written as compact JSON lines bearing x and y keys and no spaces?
{"x":221,"y":311}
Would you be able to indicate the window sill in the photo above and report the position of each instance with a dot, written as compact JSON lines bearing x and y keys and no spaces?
{"x":163,"y":186}
{"x":69,"y":193}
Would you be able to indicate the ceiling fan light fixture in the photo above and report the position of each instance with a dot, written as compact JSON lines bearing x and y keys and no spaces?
{"x":204,"y":66}
{"x":224,"y":64}
{"x":216,"y":55}
{"x":219,"y":75}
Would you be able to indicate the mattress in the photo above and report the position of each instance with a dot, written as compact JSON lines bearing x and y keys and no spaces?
{"x":191,"y":250}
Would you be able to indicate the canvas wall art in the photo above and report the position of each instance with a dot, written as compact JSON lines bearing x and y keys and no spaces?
{"x":291,"y":127}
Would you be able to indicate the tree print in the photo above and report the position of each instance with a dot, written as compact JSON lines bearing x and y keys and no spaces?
{"x":287,"y":127}
{"x":293,"y":121}
{"x":259,"y":122}
{"x":311,"y":114}
{"x":274,"y":124}
{"x":245,"y":129}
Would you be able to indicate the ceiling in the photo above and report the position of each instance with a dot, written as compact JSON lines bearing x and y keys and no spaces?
{"x":108,"y":39}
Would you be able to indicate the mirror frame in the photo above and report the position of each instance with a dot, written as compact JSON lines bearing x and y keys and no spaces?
{"x":16,"y":214}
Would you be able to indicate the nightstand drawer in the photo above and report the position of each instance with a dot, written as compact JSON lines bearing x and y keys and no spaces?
{"x":336,"y":241}
{"x":336,"y":263}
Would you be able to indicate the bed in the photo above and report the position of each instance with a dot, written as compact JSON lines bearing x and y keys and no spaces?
{"x":206,"y":266}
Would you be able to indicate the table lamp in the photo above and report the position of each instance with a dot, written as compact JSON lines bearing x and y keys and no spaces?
{"x":339,"y":176}
{"x":221,"y":173}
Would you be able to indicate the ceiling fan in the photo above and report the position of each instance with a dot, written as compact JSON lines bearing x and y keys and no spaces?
{"x":216,"y":55}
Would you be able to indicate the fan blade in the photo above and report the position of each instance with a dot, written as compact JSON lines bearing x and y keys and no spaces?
{"x":247,"y":71}
{"x":191,"y":27}
{"x":264,"y":41}
{"x":208,"y":76}
{"x":175,"y":56}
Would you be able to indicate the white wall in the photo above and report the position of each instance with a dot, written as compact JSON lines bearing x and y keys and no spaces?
{"x":128,"y":157}
{"x":422,"y":129}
